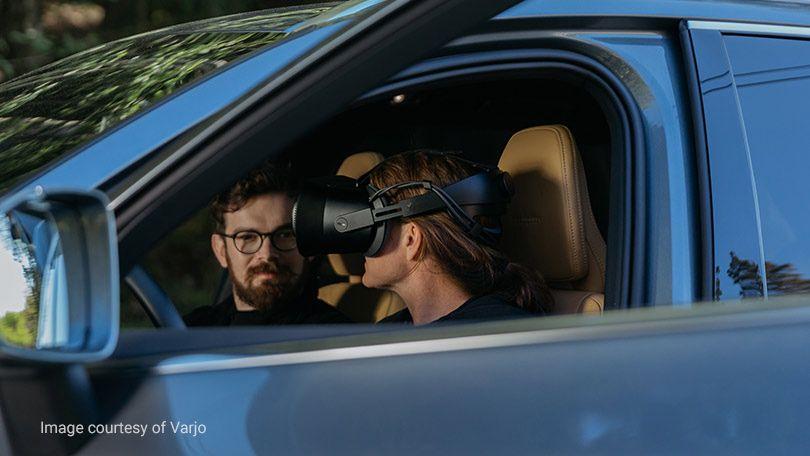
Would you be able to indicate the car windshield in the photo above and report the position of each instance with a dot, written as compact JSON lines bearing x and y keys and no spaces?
{"x":51,"y":111}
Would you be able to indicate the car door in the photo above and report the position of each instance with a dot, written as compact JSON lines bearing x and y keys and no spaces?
{"x":378,"y":38}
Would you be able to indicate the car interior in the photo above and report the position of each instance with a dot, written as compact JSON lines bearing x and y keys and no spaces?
{"x":551,"y":134}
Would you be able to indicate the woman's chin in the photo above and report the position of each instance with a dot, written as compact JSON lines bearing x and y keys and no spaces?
{"x":370,"y":282}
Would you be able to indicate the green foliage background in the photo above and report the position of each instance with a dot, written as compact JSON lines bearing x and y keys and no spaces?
{"x":15,"y":330}
{"x":49,"y":111}
{"x":36,"y":32}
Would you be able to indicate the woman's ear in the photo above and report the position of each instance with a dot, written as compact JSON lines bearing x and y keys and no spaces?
{"x":412,"y":238}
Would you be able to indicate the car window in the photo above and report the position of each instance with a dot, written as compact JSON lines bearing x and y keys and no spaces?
{"x":51,"y":111}
{"x":772,"y":77}
{"x":184,"y":266}
{"x":133,"y":315}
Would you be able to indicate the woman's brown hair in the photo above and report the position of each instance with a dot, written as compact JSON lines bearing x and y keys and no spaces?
{"x":477,"y":268}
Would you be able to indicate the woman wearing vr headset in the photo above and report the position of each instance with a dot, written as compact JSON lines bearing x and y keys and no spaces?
{"x":444,"y":264}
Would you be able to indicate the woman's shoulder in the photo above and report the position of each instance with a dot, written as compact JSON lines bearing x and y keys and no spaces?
{"x":403,"y":316}
{"x":487,"y":307}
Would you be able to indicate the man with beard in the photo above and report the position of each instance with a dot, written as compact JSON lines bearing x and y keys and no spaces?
{"x":272,"y":283}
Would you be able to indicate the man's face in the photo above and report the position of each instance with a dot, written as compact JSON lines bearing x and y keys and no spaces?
{"x":267,"y":276}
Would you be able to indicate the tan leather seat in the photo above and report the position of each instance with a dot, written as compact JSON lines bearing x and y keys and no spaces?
{"x":350,"y":296}
{"x":550,"y":226}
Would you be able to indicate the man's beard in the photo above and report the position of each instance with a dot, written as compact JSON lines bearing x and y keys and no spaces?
{"x":268,"y":294}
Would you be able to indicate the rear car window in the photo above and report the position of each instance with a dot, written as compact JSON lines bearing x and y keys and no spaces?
{"x":772,"y":76}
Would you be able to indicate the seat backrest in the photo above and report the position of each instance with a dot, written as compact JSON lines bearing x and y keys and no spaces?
{"x":550,"y":226}
{"x":350,"y":296}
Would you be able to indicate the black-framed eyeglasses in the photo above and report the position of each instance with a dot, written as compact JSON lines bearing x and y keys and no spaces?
{"x":250,"y":241}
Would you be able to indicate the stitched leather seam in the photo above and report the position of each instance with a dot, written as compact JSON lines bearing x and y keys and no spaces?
{"x":591,"y":220}
{"x":581,"y":305}
{"x":578,"y":196}
{"x":571,"y":227}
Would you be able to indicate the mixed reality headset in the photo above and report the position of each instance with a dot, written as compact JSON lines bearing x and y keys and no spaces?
{"x":338,"y":214}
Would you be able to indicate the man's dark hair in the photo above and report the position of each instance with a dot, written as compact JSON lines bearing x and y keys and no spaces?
{"x":269,"y":178}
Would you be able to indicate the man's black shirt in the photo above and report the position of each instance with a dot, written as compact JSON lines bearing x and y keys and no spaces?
{"x":486,"y":307}
{"x":306,"y":310}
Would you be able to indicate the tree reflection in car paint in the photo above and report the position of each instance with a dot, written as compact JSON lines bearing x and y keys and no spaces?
{"x":49,"y":112}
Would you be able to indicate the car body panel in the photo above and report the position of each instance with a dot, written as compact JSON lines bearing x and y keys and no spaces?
{"x":710,"y":378}
{"x":681,"y":387}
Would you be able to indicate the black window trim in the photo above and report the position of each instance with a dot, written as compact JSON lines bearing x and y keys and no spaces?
{"x":704,"y":203}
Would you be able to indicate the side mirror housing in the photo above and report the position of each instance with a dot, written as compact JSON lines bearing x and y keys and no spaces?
{"x":59,"y":295}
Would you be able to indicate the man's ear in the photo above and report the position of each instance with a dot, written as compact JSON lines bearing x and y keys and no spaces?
{"x":218,"y":246}
{"x":412,"y":238}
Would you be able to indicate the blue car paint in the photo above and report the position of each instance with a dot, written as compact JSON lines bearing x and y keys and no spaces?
{"x":669,"y":388}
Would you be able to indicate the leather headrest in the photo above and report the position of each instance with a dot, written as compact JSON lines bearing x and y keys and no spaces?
{"x":354,"y":166}
{"x":544,"y":226}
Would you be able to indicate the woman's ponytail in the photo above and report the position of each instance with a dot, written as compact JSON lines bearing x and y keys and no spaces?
{"x":525,"y":287}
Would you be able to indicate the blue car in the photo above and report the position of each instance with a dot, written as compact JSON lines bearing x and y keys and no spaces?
{"x":662,"y":193}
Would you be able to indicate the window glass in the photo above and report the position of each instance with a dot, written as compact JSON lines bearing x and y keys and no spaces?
{"x":737,"y":256}
{"x":133,"y":315}
{"x":772,"y":77}
{"x":184,"y":266}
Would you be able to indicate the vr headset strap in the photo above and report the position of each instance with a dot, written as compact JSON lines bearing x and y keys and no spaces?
{"x":364,"y":218}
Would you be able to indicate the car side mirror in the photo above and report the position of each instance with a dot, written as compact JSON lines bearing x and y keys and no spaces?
{"x":59,"y":296}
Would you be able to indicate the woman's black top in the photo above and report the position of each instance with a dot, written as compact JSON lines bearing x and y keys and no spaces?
{"x":486,"y":307}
